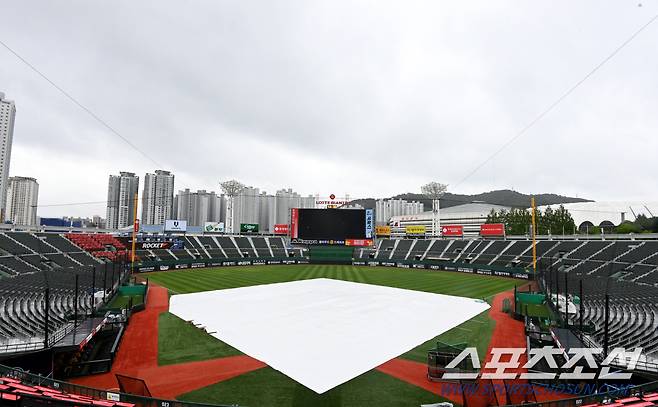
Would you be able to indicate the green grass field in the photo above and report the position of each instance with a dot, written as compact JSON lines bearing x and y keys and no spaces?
{"x":181,"y":342}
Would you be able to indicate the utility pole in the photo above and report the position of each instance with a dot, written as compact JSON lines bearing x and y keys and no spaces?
{"x":135,"y":230}
{"x":534,"y":236}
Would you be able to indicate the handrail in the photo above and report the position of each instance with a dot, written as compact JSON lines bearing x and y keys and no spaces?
{"x":140,"y":401}
{"x":594,"y":398}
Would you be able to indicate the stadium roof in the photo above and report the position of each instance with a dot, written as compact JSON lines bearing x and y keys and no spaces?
{"x":599,"y":212}
{"x":466,"y":211}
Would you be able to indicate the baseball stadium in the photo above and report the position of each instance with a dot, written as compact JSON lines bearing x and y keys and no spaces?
{"x":330,"y":315}
{"x":289,"y":243}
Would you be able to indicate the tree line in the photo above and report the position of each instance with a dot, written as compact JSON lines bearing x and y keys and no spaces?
{"x":519,"y":221}
{"x":559,"y":221}
{"x":642,"y":224}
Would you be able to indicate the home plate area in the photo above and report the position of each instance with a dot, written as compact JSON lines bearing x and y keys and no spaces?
{"x":323,"y":332}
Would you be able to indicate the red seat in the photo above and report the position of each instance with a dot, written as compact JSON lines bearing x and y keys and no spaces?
{"x":102,"y":403}
{"x":23,"y":387}
{"x":31,"y":393}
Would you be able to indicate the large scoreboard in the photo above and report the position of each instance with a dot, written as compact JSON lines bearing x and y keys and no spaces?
{"x":349,"y":227}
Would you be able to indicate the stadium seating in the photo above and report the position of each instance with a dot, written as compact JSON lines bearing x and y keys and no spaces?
{"x":418,"y":249}
{"x":626,"y":270}
{"x":401,"y":250}
{"x":491,"y":252}
{"x":229,"y":248}
{"x":14,"y":390}
{"x":100,"y":245}
{"x":31,"y":262}
{"x":22,"y":301}
{"x":262,"y":249}
{"x":278,"y":247}
{"x":436,"y":249}
{"x":245,"y":247}
{"x":472,"y":251}
{"x":510,"y":256}
{"x":11,"y":246}
{"x":453,"y":249}
{"x":385,"y":249}
{"x":194,"y":248}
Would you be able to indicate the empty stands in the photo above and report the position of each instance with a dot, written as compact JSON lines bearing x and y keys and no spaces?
{"x":491,"y":252}
{"x":278,"y":247}
{"x":626,"y":270}
{"x":455,"y":249}
{"x":100,"y":245}
{"x":22,"y":301}
{"x":11,"y":246}
{"x":385,"y":249}
{"x":437,"y":247}
{"x":245,"y":247}
{"x":402,"y":249}
{"x":230,"y":249}
{"x":262,"y":249}
{"x":13,"y":391}
{"x":418,"y":249}
{"x":29,"y":263}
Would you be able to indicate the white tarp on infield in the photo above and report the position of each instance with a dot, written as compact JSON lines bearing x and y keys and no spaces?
{"x":322,"y":332}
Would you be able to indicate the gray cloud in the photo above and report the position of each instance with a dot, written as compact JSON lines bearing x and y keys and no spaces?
{"x":365,"y":98}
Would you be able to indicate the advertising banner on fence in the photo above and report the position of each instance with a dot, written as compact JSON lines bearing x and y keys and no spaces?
{"x":213,"y":227}
{"x":152,"y":245}
{"x":294,"y":223}
{"x":415,"y":230}
{"x":358,"y":242}
{"x":281,"y":229}
{"x":452,"y":230}
{"x":249,"y":228}
{"x":370,"y":223}
{"x":172,"y":225}
{"x":492,"y":229}
{"x":382,"y":230}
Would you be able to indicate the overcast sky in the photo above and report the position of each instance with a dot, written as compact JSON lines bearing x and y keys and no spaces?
{"x":366,"y":98}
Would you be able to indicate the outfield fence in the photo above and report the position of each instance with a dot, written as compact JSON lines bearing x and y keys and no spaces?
{"x":481,"y":269}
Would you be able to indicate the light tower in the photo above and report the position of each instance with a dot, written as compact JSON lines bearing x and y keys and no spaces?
{"x":231,"y":189}
{"x":434,"y":191}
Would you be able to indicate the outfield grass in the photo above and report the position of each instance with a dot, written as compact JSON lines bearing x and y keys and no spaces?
{"x":268,"y":387}
{"x":181,"y":342}
{"x":474,"y":332}
{"x":439,"y":282}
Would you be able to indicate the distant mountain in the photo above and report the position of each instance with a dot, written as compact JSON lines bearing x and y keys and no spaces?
{"x":503,"y":197}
